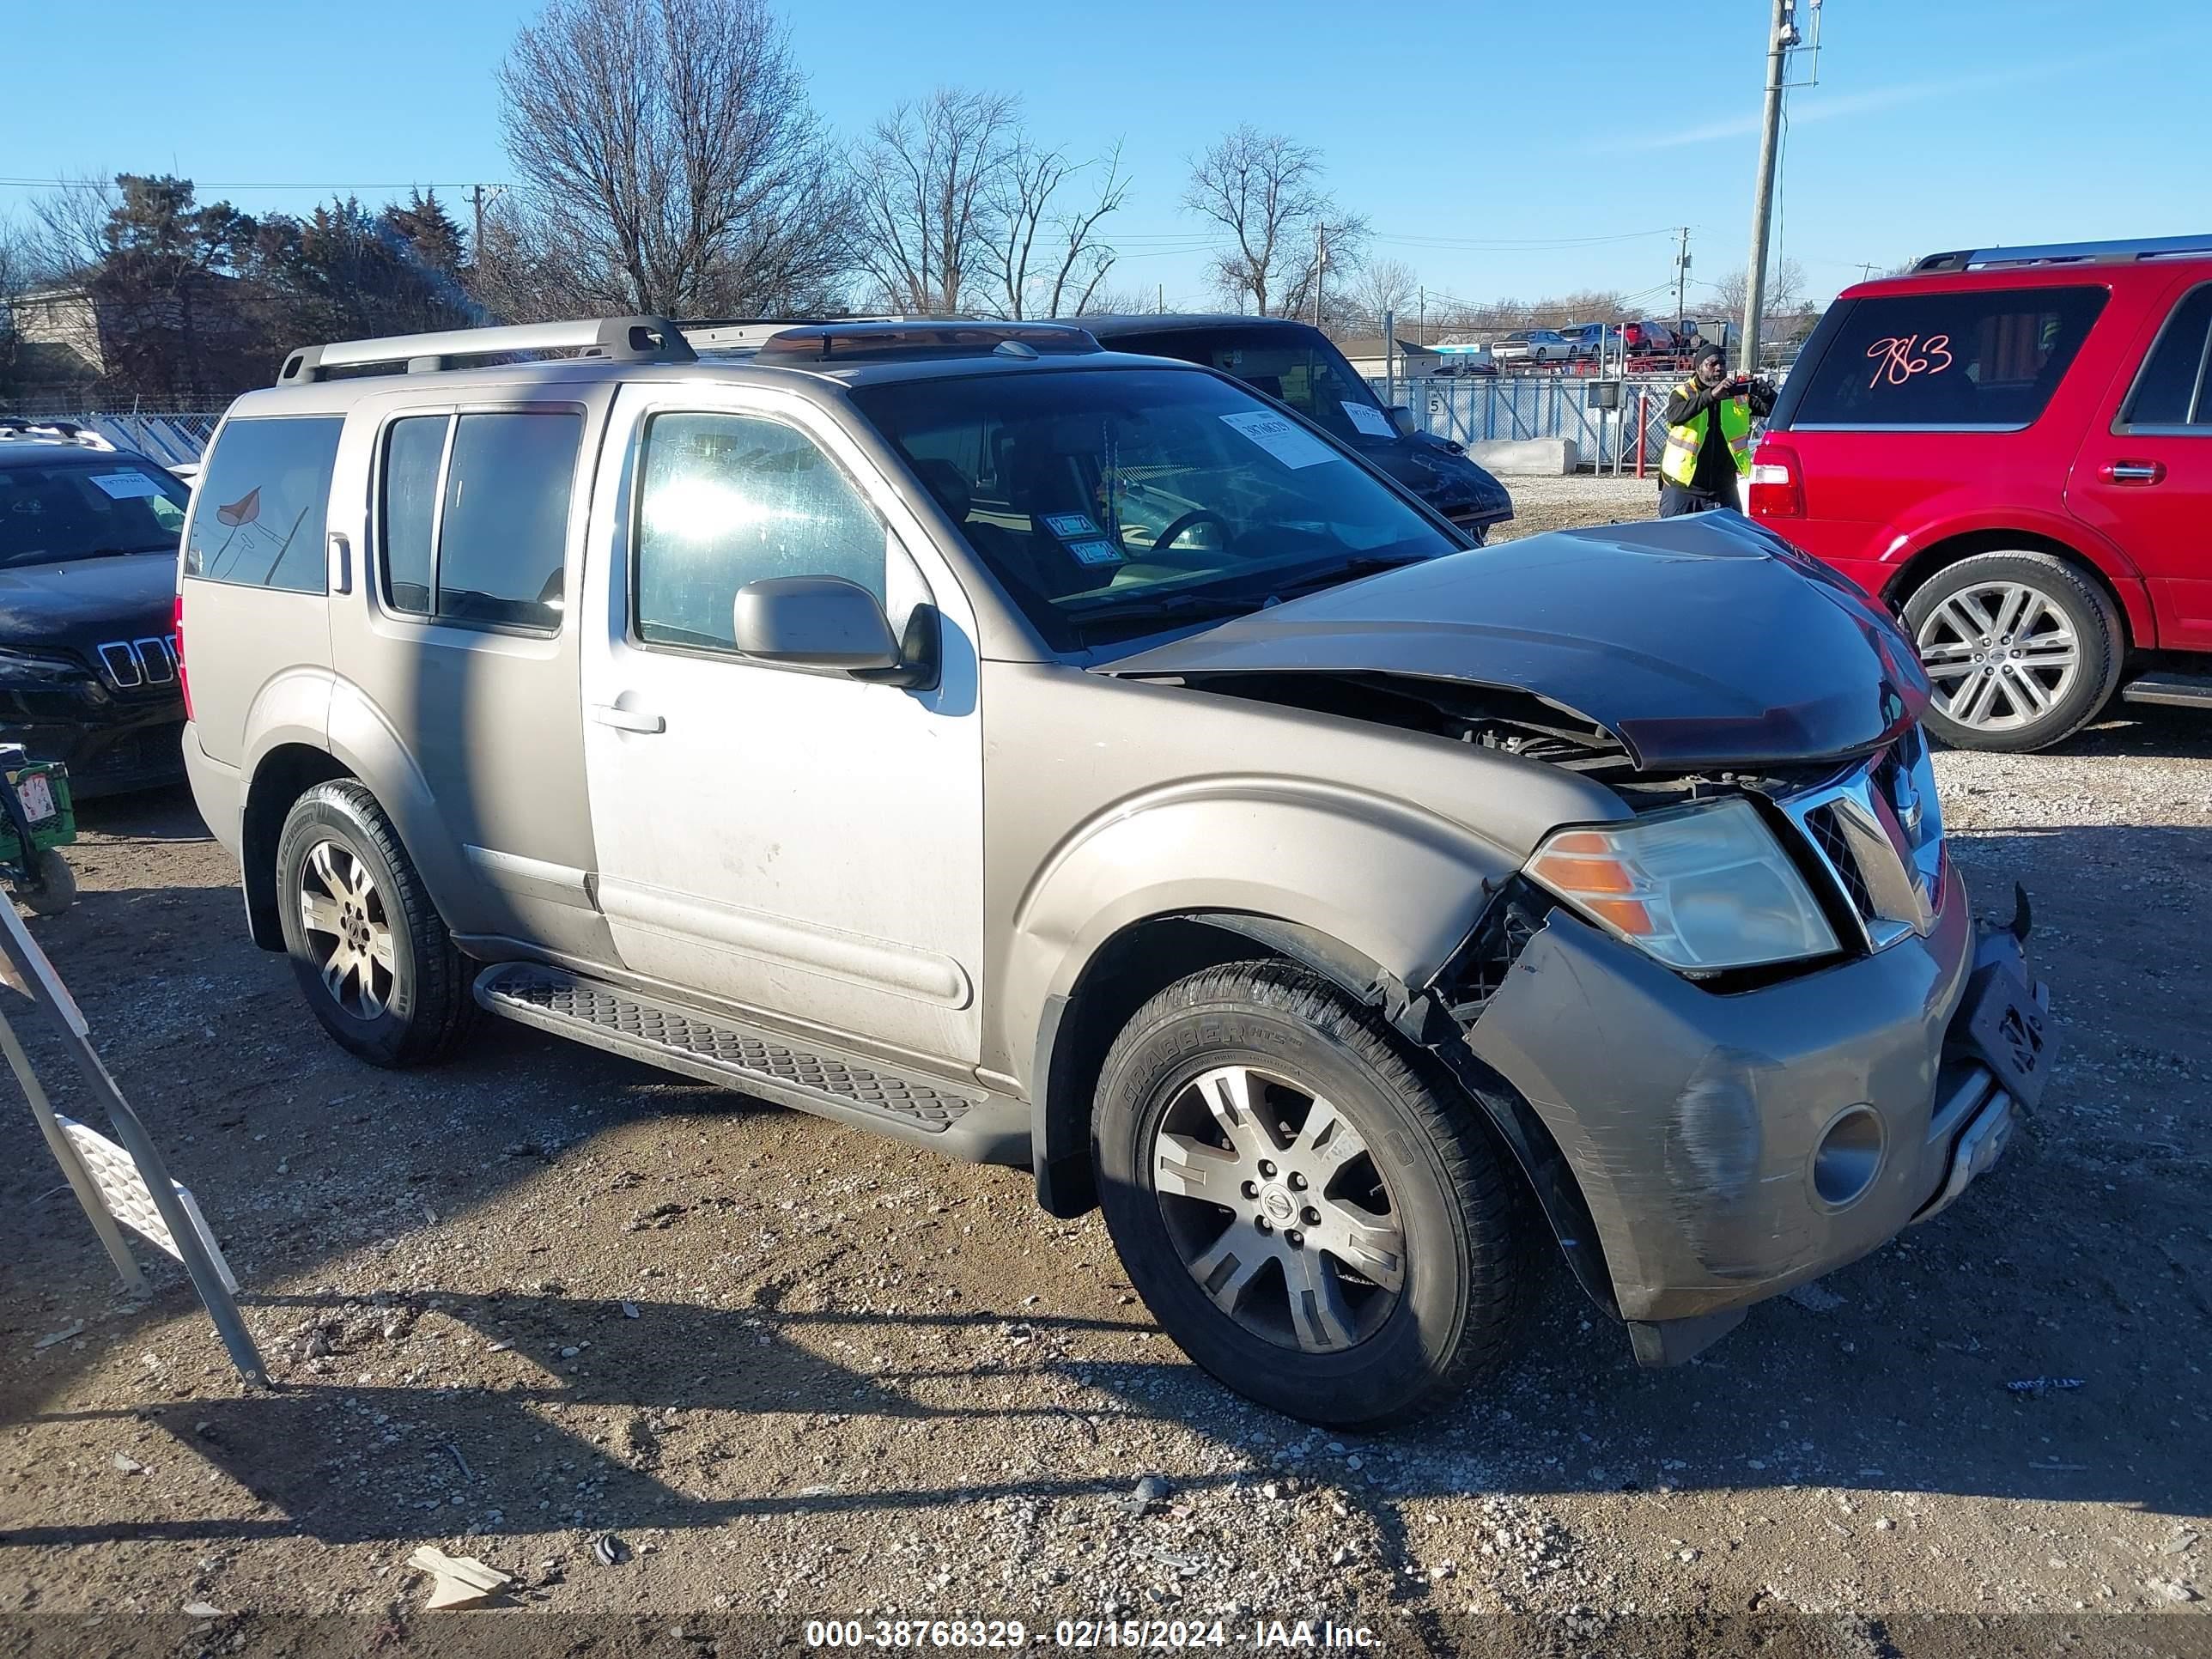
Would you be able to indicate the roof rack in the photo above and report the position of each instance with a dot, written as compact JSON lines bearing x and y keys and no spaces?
{"x":612,"y":339}
{"x":2067,"y":253}
{"x":66,"y":432}
{"x":862,"y":342}
{"x":747,"y":333}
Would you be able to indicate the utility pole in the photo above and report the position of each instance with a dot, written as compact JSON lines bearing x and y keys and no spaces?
{"x":1782,"y":35}
{"x":1321,"y":271}
{"x":1424,"y":315}
{"x":1682,"y":281}
{"x":480,"y":196}
{"x":1866,"y":270}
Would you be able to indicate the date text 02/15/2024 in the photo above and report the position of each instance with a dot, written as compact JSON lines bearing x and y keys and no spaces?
{"x":1260,"y":1634}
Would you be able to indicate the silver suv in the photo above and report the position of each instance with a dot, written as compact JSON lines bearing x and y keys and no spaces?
{"x":1068,"y":759}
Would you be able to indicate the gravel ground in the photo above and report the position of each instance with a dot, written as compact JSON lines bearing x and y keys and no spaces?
{"x":542,"y":1296}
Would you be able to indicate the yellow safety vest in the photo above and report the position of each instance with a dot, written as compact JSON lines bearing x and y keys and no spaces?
{"x":1680,"y":464}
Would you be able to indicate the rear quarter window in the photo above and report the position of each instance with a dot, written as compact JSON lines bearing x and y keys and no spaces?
{"x":257,"y":516}
{"x":1988,"y":358}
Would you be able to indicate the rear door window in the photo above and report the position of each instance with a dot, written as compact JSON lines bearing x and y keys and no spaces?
{"x":2175,"y":388}
{"x":1987,"y":358}
{"x":257,"y":517}
{"x":473,"y":516}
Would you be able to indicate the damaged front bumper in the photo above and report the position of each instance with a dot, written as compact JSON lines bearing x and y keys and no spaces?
{"x":1729,"y":1147}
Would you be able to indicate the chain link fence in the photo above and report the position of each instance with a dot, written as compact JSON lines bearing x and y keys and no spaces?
{"x":1477,"y":409}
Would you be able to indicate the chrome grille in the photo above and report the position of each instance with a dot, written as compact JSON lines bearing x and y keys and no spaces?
{"x":130,"y":664}
{"x":1878,"y":831}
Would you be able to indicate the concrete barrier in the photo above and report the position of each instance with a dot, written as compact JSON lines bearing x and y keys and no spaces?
{"x":1542,"y":458}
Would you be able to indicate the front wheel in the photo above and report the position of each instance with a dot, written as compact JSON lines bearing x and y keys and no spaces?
{"x":2022,"y":650}
{"x":369,"y":948}
{"x":1311,"y":1219}
{"x":49,"y":886}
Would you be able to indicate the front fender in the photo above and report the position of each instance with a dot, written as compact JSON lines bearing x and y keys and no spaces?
{"x":1386,"y":880}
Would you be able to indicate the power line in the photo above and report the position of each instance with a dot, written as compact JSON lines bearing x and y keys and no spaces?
{"x":224,"y":184}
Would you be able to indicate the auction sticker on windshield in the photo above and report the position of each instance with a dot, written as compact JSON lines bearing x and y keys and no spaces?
{"x":1069,"y":526}
{"x":124,"y":486}
{"x":1368,"y":418}
{"x":1290,"y":445}
{"x":1096,"y":552}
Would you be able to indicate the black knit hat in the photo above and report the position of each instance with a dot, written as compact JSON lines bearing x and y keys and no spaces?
{"x":1708,"y":353}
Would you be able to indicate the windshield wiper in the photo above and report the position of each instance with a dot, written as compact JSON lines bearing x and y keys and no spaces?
{"x":121,"y":552}
{"x":1351,"y":570}
{"x":1167,"y":607}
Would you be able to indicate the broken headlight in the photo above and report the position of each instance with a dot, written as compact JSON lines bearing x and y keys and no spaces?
{"x":1701,"y":887}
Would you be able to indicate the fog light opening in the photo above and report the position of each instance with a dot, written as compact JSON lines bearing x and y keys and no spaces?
{"x":1849,"y":1156}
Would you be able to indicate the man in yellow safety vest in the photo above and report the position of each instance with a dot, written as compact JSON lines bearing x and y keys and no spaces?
{"x":1708,"y":435}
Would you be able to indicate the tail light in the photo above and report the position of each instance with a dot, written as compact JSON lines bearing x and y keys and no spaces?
{"x":1777,"y":488}
{"x":184,"y":685}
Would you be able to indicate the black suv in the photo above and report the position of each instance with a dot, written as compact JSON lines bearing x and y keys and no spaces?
{"x":1294,"y":363}
{"x":88,"y":671}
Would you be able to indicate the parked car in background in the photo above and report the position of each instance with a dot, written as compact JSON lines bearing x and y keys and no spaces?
{"x":1071,"y":759}
{"x":89,"y":673}
{"x":1645,"y":339}
{"x":1534,"y":345}
{"x":2013,"y":448}
{"x":1297,"y":364}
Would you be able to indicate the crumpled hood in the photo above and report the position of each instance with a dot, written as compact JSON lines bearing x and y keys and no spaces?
{"x":80,"y":602}
{"x":1702,"y":642}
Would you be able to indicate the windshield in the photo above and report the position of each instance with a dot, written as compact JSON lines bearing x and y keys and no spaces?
{"x":1110,"y":502}
{"x":84,"y":505}
{"x":1296,"y":365}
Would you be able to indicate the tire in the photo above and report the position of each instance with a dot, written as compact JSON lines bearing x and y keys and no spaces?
{"x":381,"y":975}
{"x":50,"y":887}
{"x":1998,"y":686}
{"x":1363,"y":1352}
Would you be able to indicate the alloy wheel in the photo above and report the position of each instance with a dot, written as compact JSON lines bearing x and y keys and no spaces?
{"x":348,"y":931}
{"x":1277,"y":1210}
{"x":1999,"y":654}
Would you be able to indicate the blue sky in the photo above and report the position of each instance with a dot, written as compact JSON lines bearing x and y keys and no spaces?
{"x":1499,"y":149}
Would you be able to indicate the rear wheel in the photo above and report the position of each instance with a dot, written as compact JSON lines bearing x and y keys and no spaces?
{"x":369,"y":950}
{"x":1311,"y":1219}
{"x":2022,"y":650}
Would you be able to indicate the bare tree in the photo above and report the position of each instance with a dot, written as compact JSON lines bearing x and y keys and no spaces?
{"x":68,"y":233}
{"x":1784,"y":296}
{"x":1120,"y":301}
{"x":668,"y":162}
{"x":928,"y":183}
{"x":1048,"y":262}
{"x":1384,"y":287}
{"x":1265,"y":190}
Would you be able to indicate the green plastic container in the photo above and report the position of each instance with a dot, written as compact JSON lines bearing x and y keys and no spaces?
{"x":42,"y":787}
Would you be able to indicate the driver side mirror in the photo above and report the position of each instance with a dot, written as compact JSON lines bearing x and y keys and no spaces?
{"x":1403,"y":418}
{"x":826,"y":621}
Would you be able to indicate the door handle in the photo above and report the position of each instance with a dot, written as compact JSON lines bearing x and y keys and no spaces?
{"x":627,"y":719}
{"x":341,"y":563}
{"x":2132,"y":472}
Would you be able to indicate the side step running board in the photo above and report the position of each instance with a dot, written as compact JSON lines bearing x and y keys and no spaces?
{"x":969,"y":1122}
{"x":2181,"y":690}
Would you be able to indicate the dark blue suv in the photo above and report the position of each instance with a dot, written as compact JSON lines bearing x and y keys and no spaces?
{"x":1294,"y":363}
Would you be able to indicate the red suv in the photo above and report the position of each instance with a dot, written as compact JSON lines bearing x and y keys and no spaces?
{"x":2014,"y":448}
